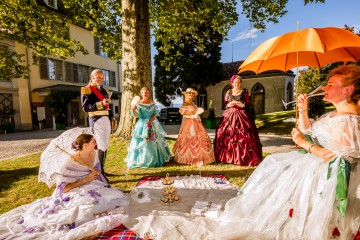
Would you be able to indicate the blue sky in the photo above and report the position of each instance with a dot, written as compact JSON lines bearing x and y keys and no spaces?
{"x":243,"y":39}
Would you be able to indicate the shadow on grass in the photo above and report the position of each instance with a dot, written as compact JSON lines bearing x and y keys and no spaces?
{"x":8,"y":177}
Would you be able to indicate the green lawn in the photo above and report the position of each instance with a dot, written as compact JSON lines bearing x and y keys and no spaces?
{"x":18,"y":176}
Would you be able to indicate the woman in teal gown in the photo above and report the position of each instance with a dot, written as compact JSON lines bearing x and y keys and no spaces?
{"x":148,"y":147}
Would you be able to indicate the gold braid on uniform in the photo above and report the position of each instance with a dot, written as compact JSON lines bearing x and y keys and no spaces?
{"x":85,"y":90}
{"x":99,"y":105}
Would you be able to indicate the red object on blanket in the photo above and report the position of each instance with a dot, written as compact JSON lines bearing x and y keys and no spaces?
{"x":123,"y":233}
{"x":120,"y":232}
{"x":357,"y":237}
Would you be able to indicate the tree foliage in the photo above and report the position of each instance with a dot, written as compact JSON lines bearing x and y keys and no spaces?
{"x":189,"y":20}
{"x":38,"y":28}
{"x":188,"y":41}
{"x":261,"y":12}
{"x":12,"y":64}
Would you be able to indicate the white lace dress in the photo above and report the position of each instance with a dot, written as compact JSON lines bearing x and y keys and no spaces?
{"x":82,"y":211}
{"x":292,"y":195}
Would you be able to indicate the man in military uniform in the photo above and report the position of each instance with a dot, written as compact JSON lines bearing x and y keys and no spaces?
{"x":95,"y":101}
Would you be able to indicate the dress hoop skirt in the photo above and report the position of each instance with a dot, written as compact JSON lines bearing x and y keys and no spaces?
{"x":237,"y":140}
{"x":148,"y":147}
{"x":193,"y":145}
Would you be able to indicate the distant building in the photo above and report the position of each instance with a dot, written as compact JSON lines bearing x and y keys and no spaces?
{"x":266,"y":90}
{"x":26,"y":96}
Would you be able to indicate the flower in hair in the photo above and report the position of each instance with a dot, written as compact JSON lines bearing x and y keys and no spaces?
{"x":75,"y":144}
{"x":232,"y":79}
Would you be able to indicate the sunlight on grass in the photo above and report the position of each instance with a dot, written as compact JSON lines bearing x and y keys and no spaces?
{"x":19,"y":176}
{"x":19,"y":184}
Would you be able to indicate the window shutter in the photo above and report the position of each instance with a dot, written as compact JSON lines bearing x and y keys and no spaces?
{"x":112,"y":79}
{"x":75,"y":70}
{"x":44,"y":73}
{"x":97,"y":45}
{"x":68,"y":72}
{"x":67,"y":34}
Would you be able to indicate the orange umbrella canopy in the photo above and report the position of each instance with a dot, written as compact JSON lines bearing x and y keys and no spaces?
{"x":315,"y":47}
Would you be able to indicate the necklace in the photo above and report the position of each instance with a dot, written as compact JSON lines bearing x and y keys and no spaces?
{"x":236,"y":91}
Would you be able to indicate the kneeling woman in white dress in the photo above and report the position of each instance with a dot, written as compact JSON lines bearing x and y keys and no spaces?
{"x":82,"y":204}
{"x":311,"y":195}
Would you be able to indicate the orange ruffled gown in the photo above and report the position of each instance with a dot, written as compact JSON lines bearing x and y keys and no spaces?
{"x":193,"y":145}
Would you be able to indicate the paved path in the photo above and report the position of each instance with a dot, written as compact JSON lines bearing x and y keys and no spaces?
{"x":23,"y":143}
{"x":271,"y":143}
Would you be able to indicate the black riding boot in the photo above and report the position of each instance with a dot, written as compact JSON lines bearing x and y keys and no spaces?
{"x":102,"y":156}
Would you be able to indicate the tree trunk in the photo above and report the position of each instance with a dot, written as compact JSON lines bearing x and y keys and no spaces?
{"x":136,"y":63}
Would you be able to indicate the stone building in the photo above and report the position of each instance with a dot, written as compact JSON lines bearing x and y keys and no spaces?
{"x":266,"y":90}
{"x":26,"y":96}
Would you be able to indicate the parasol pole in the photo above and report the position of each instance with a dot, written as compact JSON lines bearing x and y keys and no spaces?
{"x":296,"y":80}
{"x":76,"y":159}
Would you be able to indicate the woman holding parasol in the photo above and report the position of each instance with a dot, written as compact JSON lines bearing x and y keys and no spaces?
{"x":82,"y":203}
{"x":309,"y":194}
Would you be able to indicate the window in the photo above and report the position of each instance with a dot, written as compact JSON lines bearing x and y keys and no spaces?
{"x":116,"y":109}
{"x":6,"y":106}
{"x":106,"y":77}
{"x":258,"y":98}
{"x":98,"y":51}
{"x":55,"y":69}
{"x":71,"y":72}
{"x":224,"y":91}
{"x":51,"y":3}
{"x":84,"y":74}
{"x":202,"y":98}
{"x":51,"y":69}
{"x":289,"y":92}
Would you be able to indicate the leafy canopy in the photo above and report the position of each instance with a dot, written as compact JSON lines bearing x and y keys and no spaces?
{"x":261,"y":12}
{"x":188,"y":41}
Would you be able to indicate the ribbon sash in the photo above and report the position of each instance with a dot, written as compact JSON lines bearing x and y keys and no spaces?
{"x":343,"y":177}
{"x":98,"y":95}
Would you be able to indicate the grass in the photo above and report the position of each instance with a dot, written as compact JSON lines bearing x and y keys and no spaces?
{"x":272,"y":123}
{"x":19,"y":184}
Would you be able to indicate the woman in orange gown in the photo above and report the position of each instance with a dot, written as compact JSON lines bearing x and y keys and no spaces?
{"x":193,"y":145}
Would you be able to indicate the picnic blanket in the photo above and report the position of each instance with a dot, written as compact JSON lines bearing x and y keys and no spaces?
{"x":121,"y":232}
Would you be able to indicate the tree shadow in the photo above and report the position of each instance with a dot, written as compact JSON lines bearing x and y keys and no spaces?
{"x":8,"y":177}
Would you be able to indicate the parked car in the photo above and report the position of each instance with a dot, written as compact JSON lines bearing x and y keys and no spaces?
{"x":170,"y":115}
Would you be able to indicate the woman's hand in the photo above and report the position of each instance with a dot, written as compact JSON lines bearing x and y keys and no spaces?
{"x":302,"y":102}
{"x":91,"y":176}
{"x":183,"y":111}
{"x":298,"y":137}
{"x":134,"y":107}
{"x":238,"y":103}
{"x":153,"y":117}
{"x":327,"y":155}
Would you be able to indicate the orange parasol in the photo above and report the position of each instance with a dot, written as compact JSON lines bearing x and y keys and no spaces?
{"x":315,"y":47}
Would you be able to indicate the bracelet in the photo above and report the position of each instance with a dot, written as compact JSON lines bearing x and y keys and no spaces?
{"x":309,"y":148}
{"x":304,"y":110}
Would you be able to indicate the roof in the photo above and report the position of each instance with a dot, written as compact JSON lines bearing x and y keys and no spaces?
{"x":64,"y":87}
{"x":59,"y":87}
{"x":232,"y":68}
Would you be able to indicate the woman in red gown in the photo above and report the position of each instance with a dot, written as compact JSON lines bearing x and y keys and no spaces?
{"x":237,"y":140}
